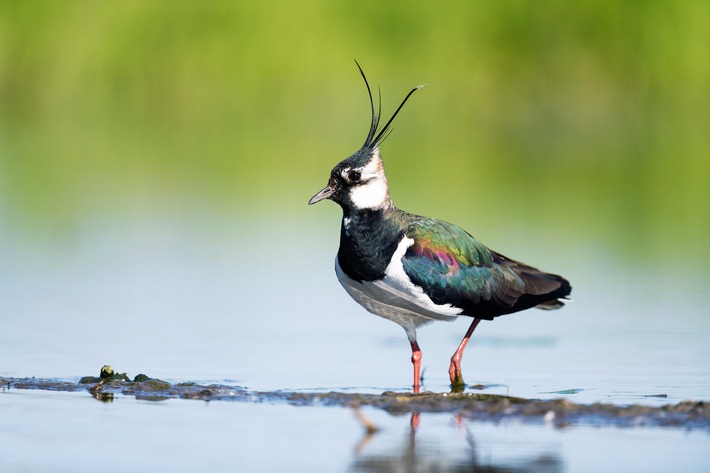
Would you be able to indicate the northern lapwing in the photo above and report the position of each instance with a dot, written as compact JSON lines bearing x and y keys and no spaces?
{"x":414,"y":270}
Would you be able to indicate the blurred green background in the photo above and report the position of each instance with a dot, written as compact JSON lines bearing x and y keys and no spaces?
{"x":578,"y":122}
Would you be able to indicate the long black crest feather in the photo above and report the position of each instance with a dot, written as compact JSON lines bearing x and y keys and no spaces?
{"x":375,"y":136}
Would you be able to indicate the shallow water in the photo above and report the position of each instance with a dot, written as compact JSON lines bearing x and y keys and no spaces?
{"x":60,"y":431}
{"x":186,"y":302}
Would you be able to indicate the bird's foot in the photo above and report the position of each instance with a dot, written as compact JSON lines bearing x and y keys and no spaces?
{"x":457,"y":384}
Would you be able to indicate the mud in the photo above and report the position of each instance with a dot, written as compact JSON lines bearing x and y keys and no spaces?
{"x":475,"y":406}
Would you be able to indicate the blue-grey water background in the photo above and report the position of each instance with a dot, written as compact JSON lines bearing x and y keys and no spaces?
{"x":171,"y":301}
{"x":155,"y":162}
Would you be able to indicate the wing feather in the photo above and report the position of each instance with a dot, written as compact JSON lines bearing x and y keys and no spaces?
{"x":452,"y":267}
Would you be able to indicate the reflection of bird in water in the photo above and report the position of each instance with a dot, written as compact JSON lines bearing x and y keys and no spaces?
{"x":428,"y":458}
{"x":414,"y":270}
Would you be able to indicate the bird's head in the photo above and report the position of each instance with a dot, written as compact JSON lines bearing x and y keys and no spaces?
{"x":359,"y":182}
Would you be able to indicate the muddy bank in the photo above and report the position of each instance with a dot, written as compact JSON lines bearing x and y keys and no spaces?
{"x":475,"y":406}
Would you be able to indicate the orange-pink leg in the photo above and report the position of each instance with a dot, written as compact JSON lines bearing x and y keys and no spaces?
{"x":414,"y":420}
{"x":455,"y":367}
{"x":417,"y":362}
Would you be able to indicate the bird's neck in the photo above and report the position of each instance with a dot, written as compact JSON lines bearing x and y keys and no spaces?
{"x":368,"y":238}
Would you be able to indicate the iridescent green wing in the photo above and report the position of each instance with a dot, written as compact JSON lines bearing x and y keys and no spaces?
{"x":452,"y":267}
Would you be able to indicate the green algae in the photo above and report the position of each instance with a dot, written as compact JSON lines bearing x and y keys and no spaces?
{"x":106,"y":374}
{"x":110,"y":383}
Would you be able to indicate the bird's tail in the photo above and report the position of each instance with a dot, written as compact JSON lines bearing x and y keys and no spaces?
{"x":555,"y":289}
{"x":559,"y":296}
{"x":553,"y":304}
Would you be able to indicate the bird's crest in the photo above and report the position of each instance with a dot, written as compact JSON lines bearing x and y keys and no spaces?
{"x":377,"y":135}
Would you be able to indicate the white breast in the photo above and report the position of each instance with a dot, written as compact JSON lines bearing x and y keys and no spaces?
{"x":395,"y":297}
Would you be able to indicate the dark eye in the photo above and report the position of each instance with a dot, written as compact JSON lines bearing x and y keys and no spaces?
{"x":354,"y":176}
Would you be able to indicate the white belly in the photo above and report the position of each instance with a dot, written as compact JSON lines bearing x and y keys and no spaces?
{"x":395,"y":297}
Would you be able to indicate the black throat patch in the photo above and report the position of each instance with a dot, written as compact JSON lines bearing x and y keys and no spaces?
{"x":368,"y":239}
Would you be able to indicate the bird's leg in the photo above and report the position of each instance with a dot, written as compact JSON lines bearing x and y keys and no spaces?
{"x":414,"y":420}
{"x":417,"y":362}
{"x":455,"y":375}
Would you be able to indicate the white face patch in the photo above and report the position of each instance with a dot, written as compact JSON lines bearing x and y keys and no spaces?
{"x":373,"y":193}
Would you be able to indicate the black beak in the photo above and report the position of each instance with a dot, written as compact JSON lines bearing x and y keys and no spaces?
{"x":322,"y":195}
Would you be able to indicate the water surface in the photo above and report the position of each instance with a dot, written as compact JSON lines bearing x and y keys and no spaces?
{"x":60,"y":431}
{"x":187,"y":302}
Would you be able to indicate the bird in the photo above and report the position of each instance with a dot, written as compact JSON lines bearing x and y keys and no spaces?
{"x":413,"y":269}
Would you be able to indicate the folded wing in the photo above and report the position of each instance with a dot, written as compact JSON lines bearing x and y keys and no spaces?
{"x":452,"y":267}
